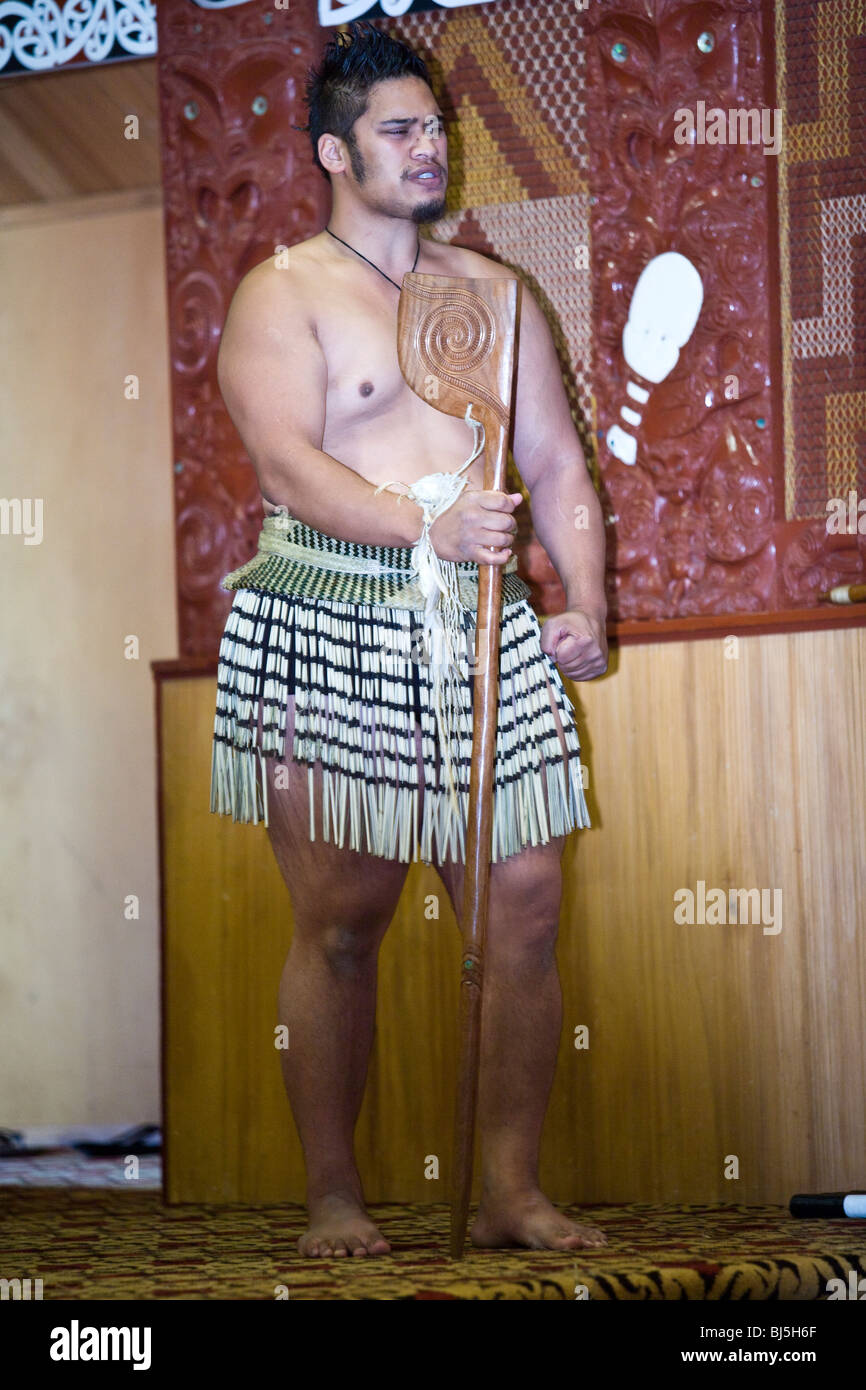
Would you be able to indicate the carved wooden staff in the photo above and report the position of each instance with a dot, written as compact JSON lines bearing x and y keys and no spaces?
{"x":455,"y":343}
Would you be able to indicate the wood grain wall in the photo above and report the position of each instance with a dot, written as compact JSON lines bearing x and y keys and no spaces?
{"x":67,"y":134}
{"x":712,"y":1048}
{"x":83,"y":309}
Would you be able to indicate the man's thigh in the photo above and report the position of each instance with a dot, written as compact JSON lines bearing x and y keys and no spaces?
{"x":327,"y":884}
{"x":525,"y":888}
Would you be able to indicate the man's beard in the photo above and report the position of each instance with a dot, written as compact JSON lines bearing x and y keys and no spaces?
{"x":422,"y":212}
{"x":356,"y":159}
{"x":429,"y":212}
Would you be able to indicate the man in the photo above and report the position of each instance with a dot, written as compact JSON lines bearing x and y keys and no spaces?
{"x":309,"y":372}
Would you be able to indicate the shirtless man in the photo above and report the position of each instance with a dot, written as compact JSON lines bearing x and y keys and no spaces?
{"x":309,"y":372}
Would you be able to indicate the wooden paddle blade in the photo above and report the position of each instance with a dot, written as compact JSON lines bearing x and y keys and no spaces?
{"x":455,"y":343}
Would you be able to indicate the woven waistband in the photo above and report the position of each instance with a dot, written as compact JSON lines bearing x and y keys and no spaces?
{"x":296,"y":559}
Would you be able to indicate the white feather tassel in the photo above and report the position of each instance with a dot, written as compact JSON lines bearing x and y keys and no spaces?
{"x":444,"y":609}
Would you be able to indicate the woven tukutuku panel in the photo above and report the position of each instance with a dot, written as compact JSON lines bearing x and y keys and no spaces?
{"x":821,"y":60}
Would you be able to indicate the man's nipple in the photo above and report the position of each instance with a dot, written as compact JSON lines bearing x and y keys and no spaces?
{"x":366,"y":388}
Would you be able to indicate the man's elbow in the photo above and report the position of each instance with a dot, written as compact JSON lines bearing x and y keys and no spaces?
{"x":281,"y":475}
{"x":568,"y":464}
{"x":275,"y":481}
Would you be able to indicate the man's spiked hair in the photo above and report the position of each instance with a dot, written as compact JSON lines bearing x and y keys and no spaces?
{"x":338,"y":89}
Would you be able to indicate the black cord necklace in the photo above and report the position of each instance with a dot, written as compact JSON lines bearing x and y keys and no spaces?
{"x":373,"y":263}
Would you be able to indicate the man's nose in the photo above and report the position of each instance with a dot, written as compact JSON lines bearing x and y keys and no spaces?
{"x":427,"y":143}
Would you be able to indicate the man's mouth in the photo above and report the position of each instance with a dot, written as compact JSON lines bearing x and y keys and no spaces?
{"x":426,"y":176}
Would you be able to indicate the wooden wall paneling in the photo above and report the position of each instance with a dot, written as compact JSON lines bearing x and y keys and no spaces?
{"x":227,"y":927}
{"x":741,"y":771}
{"x":62,"y":134}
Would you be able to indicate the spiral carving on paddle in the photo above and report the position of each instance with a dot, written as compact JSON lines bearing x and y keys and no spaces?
{"x":454,"y":337}
{"x":457,"y":335}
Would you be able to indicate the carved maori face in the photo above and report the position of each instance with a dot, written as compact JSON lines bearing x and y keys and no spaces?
{"x":231,"y":122}
{"x":652,"y":61}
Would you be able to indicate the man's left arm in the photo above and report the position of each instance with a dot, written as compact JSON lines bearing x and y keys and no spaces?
{"x":566,"y":512}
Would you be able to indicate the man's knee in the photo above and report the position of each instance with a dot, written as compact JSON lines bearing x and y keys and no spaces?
{"x":347,"y":921}
{"x":525,"y":906}
{"x":528,"y":936}
{"x":350,"y":944}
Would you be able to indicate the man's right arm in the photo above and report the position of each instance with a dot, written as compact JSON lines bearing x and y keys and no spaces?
{"x":273,"y":378}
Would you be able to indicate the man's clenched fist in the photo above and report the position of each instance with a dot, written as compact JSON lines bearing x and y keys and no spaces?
{"x":577,"y":643}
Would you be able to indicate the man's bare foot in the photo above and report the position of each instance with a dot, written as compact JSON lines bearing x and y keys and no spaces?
{"x":339,"y":1225}
{"x":528,"y":1218}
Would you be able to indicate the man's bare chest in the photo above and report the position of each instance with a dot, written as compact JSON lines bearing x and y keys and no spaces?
{"x":359,"y":345}
{"x":356,"y":328}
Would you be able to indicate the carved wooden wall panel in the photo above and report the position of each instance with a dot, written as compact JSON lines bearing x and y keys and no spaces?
{"x":691,"y":522}
{"x":239,"y":181}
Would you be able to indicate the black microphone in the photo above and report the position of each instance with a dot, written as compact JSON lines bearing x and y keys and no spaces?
{"x":828,"y":1205}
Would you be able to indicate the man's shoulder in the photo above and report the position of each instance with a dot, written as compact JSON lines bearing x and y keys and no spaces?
{"x":285,"y":274}
{"x":301,"y":256}
{"x":460,"y":260}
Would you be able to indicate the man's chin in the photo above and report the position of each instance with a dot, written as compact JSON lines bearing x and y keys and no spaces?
{"x":429,"y":212}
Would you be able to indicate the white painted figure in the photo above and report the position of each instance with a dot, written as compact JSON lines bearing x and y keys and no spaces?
{"x":662,"y":315}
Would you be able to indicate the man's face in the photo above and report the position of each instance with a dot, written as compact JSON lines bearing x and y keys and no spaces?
{"x":399,"y":152}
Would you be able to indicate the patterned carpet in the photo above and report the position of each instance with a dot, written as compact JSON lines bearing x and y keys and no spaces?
{"x":88,"y":1244}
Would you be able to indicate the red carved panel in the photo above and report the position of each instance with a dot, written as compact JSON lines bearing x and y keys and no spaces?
{"x":691,"y":522}
{"x":238,"y":181}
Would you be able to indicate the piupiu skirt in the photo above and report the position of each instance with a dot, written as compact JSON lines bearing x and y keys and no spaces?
{"x":339,"y":626}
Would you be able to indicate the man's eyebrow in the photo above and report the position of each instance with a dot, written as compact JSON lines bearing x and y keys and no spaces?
{"x":409,"y":120}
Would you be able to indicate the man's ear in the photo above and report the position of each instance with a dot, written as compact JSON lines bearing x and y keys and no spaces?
{"x":332,"y":153}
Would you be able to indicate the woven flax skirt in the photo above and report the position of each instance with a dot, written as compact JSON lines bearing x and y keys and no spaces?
{"x":339,"y":626}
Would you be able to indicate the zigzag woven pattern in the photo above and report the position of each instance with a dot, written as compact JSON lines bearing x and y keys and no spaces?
{"x":294,"y":558}
{"x":822,"y":206}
